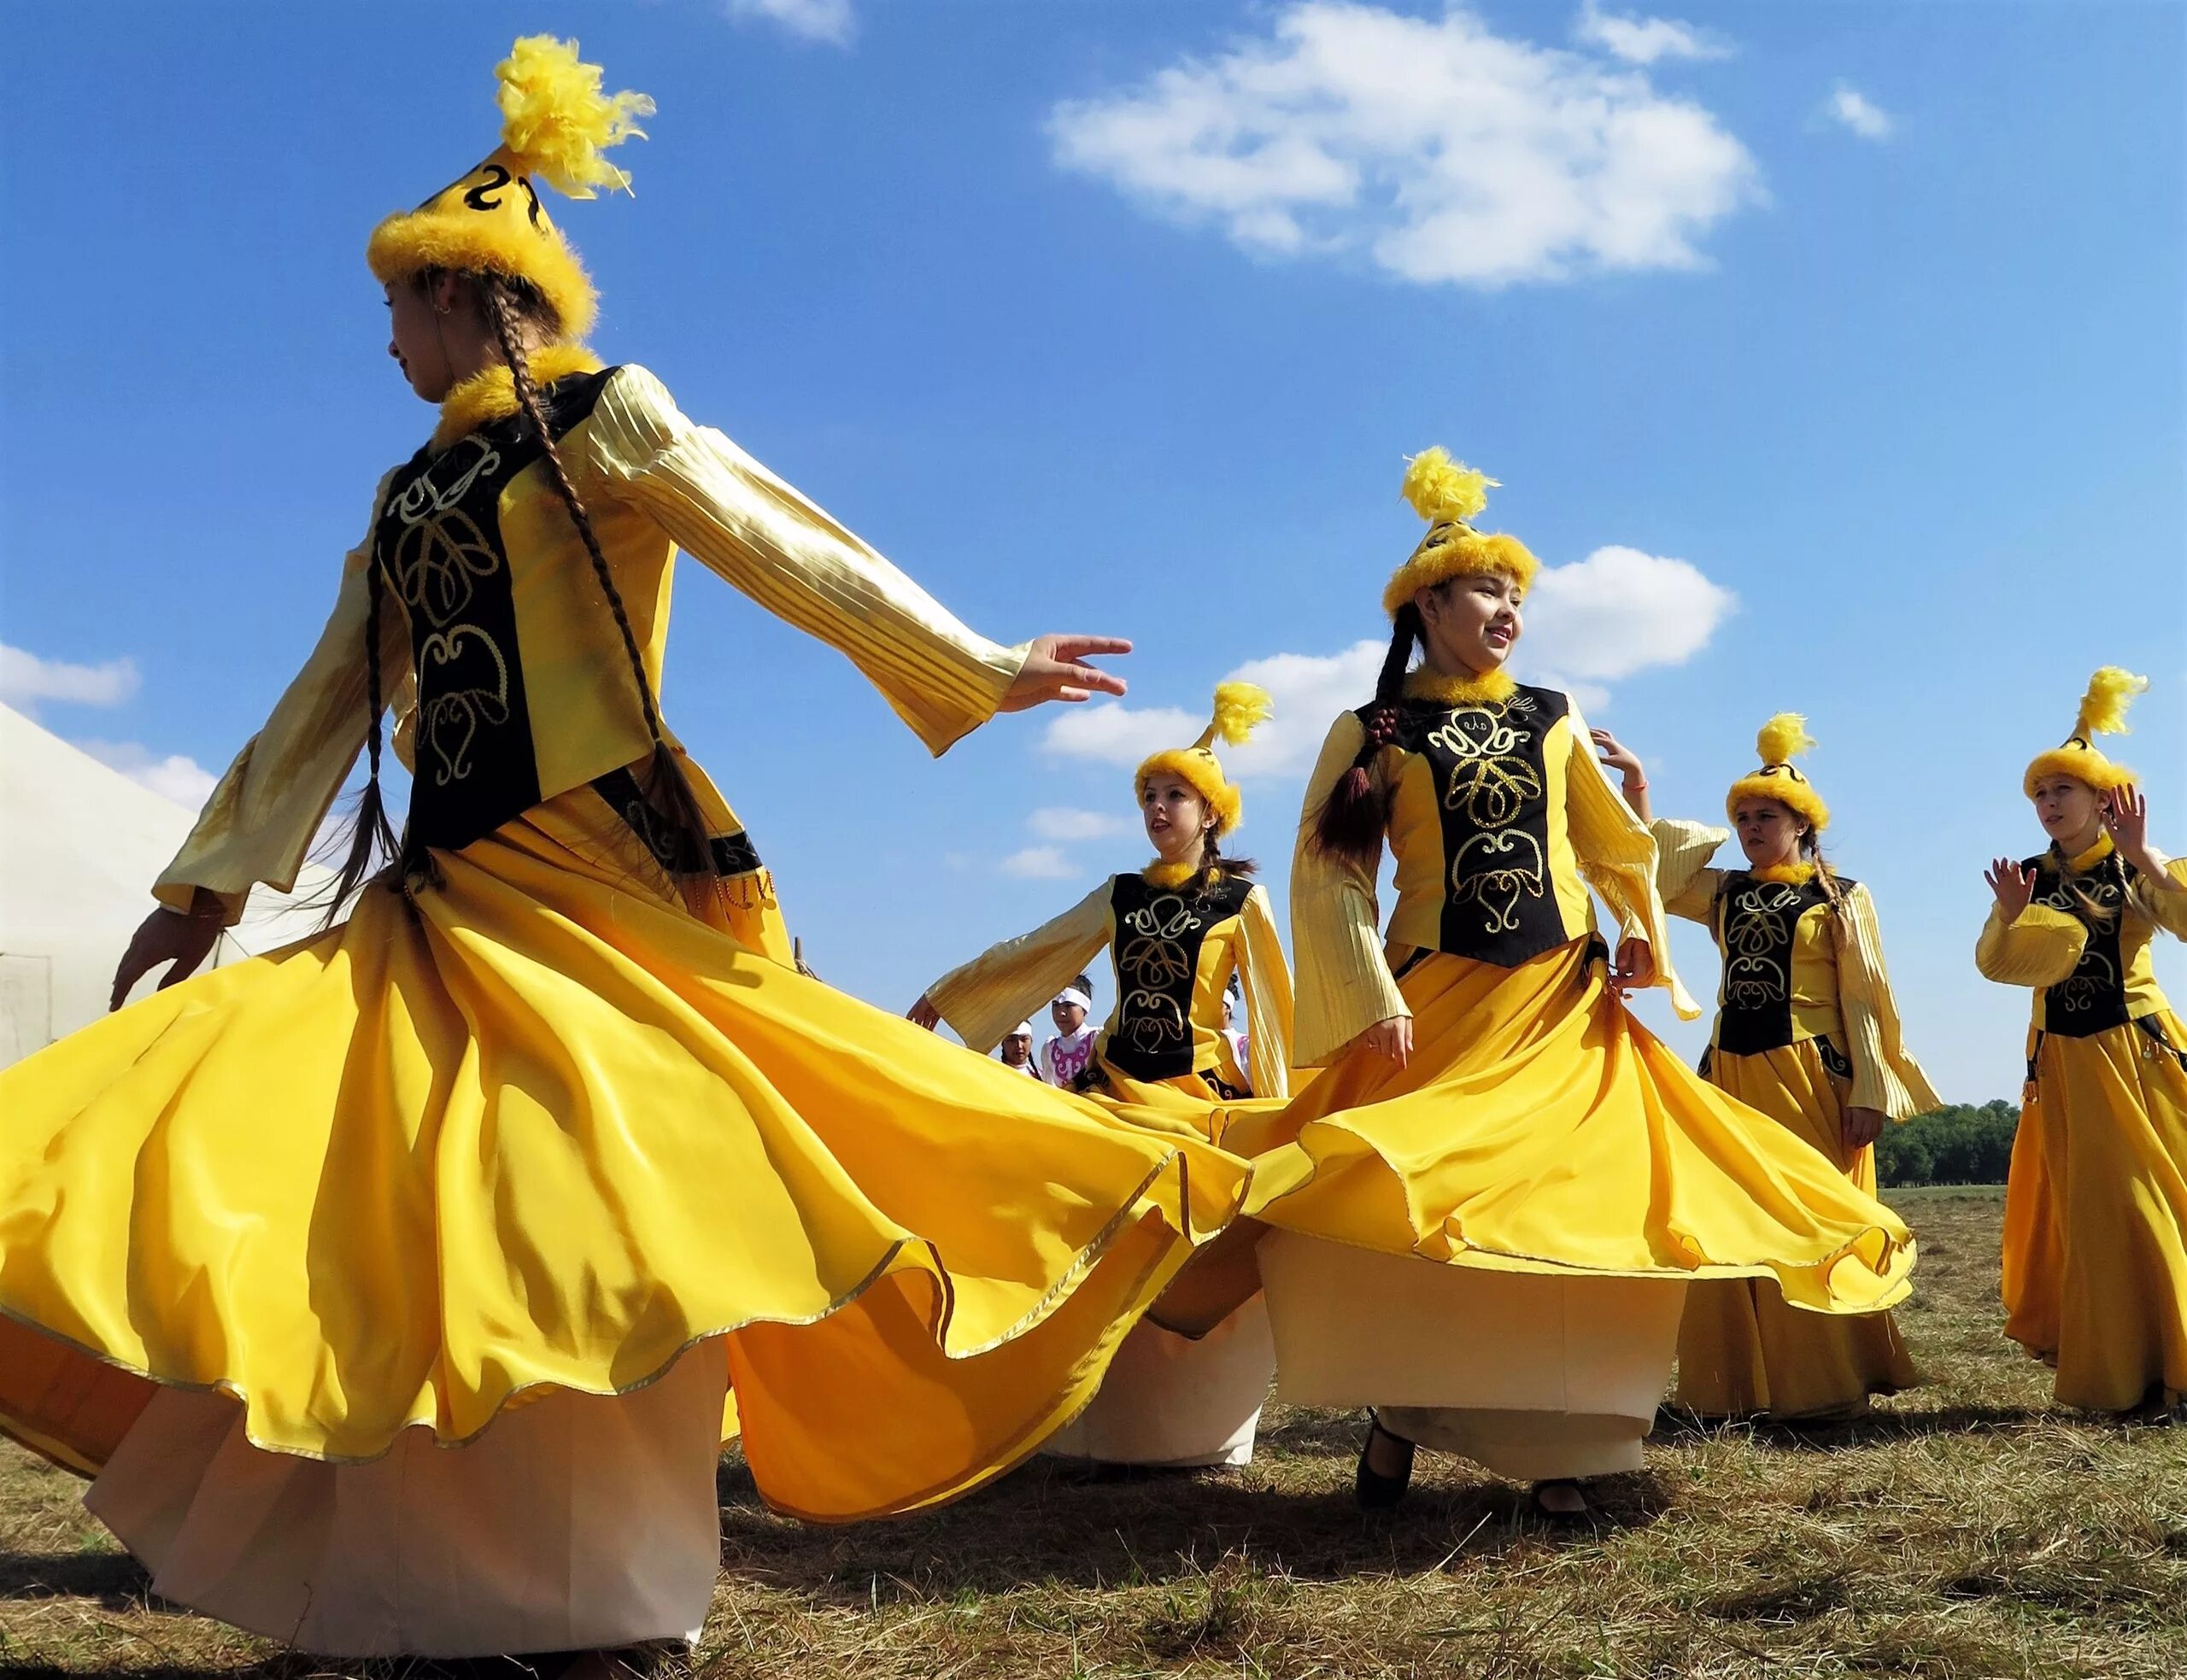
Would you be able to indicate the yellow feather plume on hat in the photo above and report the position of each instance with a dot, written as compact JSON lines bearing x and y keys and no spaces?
{"x":2103,"y":713}
{"x":1447,"y":494}
{"x":1441,"y":490}
{"x":1784,"y":738}
{"x":1240,"y":709}
{"x":556,"y":122}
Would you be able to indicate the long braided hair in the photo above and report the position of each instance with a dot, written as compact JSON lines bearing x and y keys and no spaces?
{"x":1351,"y":819}
{"x":508,"y":305}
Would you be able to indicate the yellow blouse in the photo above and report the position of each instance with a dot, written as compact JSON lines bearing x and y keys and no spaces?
{"x":988,"y":996}
{"x":1592,"y":839}
{"x":2083,"y":975}
{"x":1840,"y":988}
{"x":653,"y":482}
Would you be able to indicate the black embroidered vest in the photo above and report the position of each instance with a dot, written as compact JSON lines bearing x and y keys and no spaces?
{"x":438,"y":547}
{"x":1492,"y":786}
{"x":2092,"y":998}
{"x":1156,"y":939}
{"x":1756,"y":924}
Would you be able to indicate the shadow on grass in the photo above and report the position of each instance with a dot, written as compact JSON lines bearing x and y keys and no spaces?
{"x":1675,"y":1427}
{"x":115,"y":1579}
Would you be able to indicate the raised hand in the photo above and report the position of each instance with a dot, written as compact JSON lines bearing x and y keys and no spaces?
{"x":1055,"y":670}
{"x":2125,"y":815}
{"x":165,"y":936}
{"x":1615,"y":753}
{"x":2013,"y":886}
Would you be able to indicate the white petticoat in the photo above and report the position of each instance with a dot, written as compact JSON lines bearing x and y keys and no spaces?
{"x":1169,"y":1400}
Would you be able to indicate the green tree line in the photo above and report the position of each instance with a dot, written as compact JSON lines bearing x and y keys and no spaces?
{"x":1957,"y":1144}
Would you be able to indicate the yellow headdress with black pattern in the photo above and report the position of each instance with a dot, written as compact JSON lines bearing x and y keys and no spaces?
{"x":1783,"y":739}
{"x":556,"y":125}
{"x":1240,"y":709}
{"x":2103,"y":712}
{"x":1448,"y":494}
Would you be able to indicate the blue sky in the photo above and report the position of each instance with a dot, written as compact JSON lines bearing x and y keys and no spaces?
{"x":1838,"y":350}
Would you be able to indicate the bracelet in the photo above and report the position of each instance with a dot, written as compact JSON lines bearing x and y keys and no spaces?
{"x":1636,"y":787}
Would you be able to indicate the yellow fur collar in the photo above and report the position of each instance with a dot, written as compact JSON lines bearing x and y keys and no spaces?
{"x":1159,"y":874}
{"x":490,"y":394}
{"x":1785,"y":874}
{"x":2089,"y":859}
{"x":1481,"y":689}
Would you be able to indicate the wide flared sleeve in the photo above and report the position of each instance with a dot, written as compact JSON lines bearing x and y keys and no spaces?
{"x":1268,"y":1001}
{"x":1344,"y":980}
{"x":723,"y":508}
{"x":1004,"y":985}
{"x":2040,"y":947}
{"x":1617,"y":855}
{"x":1885,"y":1077}
{"x":259,"y":824}
{"x":2163,"y":897}
{"x":1683,"y":850}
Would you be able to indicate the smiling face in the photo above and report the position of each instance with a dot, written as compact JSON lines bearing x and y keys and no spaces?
{"x":1177,"y":818}
{"x":1769,"y":833}
{"x":1472,"y":622}
{"x":2070,"y":811}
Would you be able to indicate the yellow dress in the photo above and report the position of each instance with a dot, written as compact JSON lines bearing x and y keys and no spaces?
{"x":2096,"y":1205}
{"x":1565,"y":1172}
{"x":1162,"y":1058}
{"x":547,"y":1133}
{"x":1806,"y":1027}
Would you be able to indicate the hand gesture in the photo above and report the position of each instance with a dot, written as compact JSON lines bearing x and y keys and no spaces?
{"x":1635,"y":967}
{"x":164,"y":936}
{"x":1615,"y":754}
{"x":2013,"y":886}
{"x":923,"y":1013}
{"x":1860,"y":1127}
{"x":2125,"y":816}
{"x":1054,"y":671}
{"x":1392,"y":1037}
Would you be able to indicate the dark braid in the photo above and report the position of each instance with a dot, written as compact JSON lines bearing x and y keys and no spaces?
{"x":371,"y":835}
{"x":667,"y":789}
{"x":1811,"y":849}
{"x":1352,"y":817}
{"x":1215,"y":869}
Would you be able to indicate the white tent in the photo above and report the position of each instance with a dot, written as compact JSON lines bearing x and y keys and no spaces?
{"x":80,"y":845}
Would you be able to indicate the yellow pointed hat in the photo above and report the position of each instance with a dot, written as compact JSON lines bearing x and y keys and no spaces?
{"x":1240,"y":709}
{"x":1448,"y":494}
{"x":556,"y":125}
{"x":1782,"y":739}
{"x":2103,"y":712}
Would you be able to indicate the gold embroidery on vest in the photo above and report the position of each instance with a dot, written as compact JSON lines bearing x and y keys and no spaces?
{"x":1499,"y":863}
{"x":2094,"y":979}
{"x":1147,"y":965}
{"x":1753,"y":978}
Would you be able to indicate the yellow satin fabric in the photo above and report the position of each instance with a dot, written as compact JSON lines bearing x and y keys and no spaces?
{"x":1538,"y":1127}
{"x":2095,"y":1216}
{"x":1741,"y":1351}
{"x":551,"y":1129}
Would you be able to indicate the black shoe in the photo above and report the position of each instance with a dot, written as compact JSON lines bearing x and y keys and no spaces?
{"x":1550,"y":1513}
{"x":1371,"y":1490}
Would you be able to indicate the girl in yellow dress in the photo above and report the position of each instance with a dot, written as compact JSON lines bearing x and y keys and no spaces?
{"x":2096,"y":1205}
{"x":1487,"y":1207}
{"x":548,"y":1153}
{"x":1177,"y":931}
{"x":1807,"y":1032}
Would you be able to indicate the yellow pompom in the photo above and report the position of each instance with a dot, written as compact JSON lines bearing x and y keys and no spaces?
{"x":1783,"y":738}
{"x":1240,"y":709}
{"x":1442,"y":490}
{"x":558,"y":122}
{"x":2103,"y":708}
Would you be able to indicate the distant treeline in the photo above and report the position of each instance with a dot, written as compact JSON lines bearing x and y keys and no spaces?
{"x":1958,"y":1144}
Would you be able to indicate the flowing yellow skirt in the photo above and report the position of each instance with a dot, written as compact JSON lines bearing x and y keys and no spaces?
{"x":1741,"y":1351}
{"x":2096,"y":1217}
{"x":550,"y":1132}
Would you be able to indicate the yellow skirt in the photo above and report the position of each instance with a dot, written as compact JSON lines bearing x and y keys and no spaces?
{"x":2096,"y":1217}
{"x":1538,"y":1127}
{"x":548,"y":1132}
{"x":1741,"y":1351}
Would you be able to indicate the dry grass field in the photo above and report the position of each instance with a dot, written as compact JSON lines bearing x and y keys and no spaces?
{"x":1964,"y":1531}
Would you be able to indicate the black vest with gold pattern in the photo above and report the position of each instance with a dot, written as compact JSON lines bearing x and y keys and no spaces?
{"x":1156,"y":939}
{"x":438,"y":547}
{"x":1492,"y":788}
{"x":1757,"y":923}
{"x":2092,"y":998}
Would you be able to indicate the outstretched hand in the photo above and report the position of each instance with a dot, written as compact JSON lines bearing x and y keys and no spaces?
{"x":164,"y":936}
{"x":1055,"y":670}
{"x":2013,"y":884}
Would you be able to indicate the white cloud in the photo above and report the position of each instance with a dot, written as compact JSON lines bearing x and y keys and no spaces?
{"x":830,"y":20}
{"x":1445,"y":152}
{"x":1040,"y":863}
{"x":1643,"y":40}
{"x":184,"y":781}
{"x":1062,"y":822}
{"x":26,"y":680}
{"x":1111,"y":733}
{"x":1852,"y":109}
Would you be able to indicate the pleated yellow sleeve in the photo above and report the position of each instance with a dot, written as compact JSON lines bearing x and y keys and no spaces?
{"x":2039,"y":947}
{"x":1682,"y":850}
{"x":1344,"y":980}
{"x":2163,"y":899}
{"x":1005,"y":984}
{"x":259,"y":824}
{"x":1885,"y":1077}
{"x":1269,"y":1002}
{"x":728,"y":511}
{"x":1617,"y":855}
